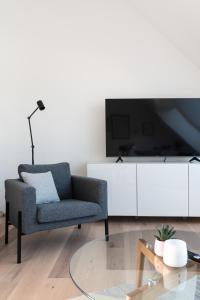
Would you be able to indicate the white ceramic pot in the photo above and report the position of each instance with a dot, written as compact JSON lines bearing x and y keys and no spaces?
{"x":175,"y":253}
{"x":158,"y":247}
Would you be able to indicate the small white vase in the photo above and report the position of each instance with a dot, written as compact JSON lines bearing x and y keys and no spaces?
{"x":158,"y":247}
{"x":175,"y":253}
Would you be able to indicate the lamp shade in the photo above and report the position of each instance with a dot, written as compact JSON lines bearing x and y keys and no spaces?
{"x":40,"y":105}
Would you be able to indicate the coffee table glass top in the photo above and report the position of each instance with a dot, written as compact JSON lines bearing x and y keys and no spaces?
{"x":123,"y":268}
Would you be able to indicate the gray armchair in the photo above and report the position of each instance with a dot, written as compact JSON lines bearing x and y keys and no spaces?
{"x":83,"y":200}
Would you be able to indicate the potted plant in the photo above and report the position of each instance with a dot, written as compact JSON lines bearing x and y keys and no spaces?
{"x":163,"y":234}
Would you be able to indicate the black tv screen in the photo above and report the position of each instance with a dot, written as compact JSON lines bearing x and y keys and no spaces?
{"x":153,"y":127}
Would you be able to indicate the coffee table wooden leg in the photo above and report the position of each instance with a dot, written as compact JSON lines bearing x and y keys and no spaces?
{"x":167,"y":274}
{"x":139,"y":265}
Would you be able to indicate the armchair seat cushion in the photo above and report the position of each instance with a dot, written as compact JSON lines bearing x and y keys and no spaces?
{"x":66,"y":210}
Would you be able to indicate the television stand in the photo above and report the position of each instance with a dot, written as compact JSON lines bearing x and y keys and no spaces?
{"x":135,"y":188}
{"x":119,"y":159}
{"x":194,"y":159}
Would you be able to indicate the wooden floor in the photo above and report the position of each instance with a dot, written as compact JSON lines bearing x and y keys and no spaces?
{"x":43,"y":273}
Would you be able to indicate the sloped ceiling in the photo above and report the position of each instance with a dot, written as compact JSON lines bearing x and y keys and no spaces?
{"x":178,"y":21}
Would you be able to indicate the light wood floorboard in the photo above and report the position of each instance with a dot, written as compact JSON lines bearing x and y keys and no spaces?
{"x":41,"y":274}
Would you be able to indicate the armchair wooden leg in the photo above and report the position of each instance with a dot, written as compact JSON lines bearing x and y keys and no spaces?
{"x":6,"y":222}
{"x":106,"y":230}
{"x":79,"y":226}
{"x":19,"y":236}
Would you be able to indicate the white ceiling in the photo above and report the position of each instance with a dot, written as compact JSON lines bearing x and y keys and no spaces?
{"x":178,"y":21}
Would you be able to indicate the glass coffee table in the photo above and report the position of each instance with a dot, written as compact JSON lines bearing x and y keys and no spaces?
{"x":127,"y":268}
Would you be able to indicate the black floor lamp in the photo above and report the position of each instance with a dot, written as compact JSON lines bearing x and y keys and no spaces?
{"x":40,"y":106}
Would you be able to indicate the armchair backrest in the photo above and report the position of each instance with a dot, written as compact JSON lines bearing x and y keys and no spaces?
{"x":60,"y":172}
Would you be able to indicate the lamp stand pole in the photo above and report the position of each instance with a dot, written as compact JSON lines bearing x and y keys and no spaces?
{"x":31,"y":135}
{"x":32,"y":145}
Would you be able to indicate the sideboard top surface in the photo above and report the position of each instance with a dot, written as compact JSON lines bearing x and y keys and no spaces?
{"x":144,"y":162}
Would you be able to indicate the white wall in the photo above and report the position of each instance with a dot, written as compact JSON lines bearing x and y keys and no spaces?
{"x":73,"y":54}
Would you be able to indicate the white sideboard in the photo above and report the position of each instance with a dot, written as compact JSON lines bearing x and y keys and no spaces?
{"x":194,"y":190}
{"x":162,"y":189}
{"x":150,"y":189}
{"x":122,"y":196}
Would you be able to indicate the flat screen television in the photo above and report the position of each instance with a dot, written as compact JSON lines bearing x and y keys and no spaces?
{"x":153,"y":127}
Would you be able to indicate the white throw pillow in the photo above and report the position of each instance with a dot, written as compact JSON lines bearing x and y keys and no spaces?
{"x":44,"y":184}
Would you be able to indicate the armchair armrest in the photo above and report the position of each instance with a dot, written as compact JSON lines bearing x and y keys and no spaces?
{"x":21,"y":197}
{"x":90,"y":189}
